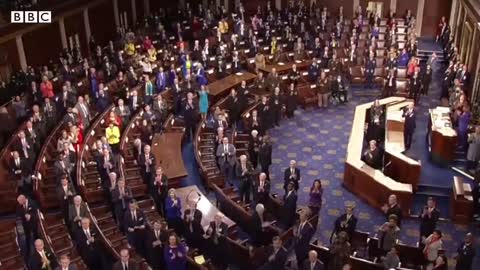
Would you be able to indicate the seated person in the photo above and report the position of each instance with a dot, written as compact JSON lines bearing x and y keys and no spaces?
{"x":373,"y":155}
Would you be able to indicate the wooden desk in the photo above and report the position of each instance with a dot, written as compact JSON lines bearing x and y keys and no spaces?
{"x":286,"y":67}
{"x":167,"y":148}
{"x":461,"y":201}
{"x":400,"y":167}
{"x":208,"y":210}
{"x":443,"y":138}
{"x":219,"y":87}
{"x":370,"y":184}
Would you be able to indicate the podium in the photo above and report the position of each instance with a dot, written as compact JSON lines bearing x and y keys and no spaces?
{"x":443,"y":138}
{"x":461,"y":201}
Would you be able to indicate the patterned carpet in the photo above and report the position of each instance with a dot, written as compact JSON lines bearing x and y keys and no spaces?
{"x":317,"y":139}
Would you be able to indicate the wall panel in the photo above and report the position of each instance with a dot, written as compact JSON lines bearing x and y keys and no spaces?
{"x":432,"y":14}
{"x":74,"y":24}
{"x":102,"y":22}
{"x":42,"y":45}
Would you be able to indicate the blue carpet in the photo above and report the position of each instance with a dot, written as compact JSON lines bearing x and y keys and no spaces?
{"x":317,"y":139}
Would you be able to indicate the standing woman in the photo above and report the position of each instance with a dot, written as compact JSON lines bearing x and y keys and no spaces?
{"x":112,"y":132}
{"x":76,"y":137}
{"x":203,"y":101}
{"x":315,"y":197}
{"x":173,"y":211}
{"x":433,"y":243}
{"x":175,"y":254}
{"x":323,"y":91}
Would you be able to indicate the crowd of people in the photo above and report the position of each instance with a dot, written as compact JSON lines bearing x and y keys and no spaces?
{"x":147,"y":63}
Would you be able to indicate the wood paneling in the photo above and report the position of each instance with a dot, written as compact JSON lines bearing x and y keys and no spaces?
{"x":386,"y":5}
{"x":102,"y":22}
{"x":404,"y":5}
{"x":432,"y":14}
{"x":334,"y":5}
{"x":43,"y":45}
{"x":126,"y":6}
{"x":9,"y":54}
{"x":75,"y":25}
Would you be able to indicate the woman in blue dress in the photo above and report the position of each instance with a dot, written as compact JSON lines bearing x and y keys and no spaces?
{"x":203,"y":101}
{"x":463,"y":121}
{"x":201,"y":78}
{"x":173,"y":211}
{"x":175,"y":254}
{"x":186,"y":65}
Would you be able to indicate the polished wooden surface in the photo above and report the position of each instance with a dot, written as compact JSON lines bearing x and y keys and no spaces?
{"x":218,"y":87}
{"x":285,"y":67}
{"x":366,"y":182}
{"x":167,"y":148}
{"x":461,"y":202}
{"x":400,"y":167}
{"x":192,"y":194}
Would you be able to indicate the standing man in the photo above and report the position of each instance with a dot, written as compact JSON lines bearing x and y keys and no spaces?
{"x":466,"y":253}
{"x":409,"y":126}
{"x":429,"y":218}
{"x":302,"y":233}
{"x":265,"y":155}
{"x":369,"y":71}
{"x":243,"y":172}
{"x":125,"y":263}
{"x":226,"y":159}
{"x":134,"y":221}
{"x":291,"y":174}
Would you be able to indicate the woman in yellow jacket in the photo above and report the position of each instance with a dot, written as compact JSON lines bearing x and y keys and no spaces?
{"x":130,"y":49}
{"x":273,"y":46}
{"x":112,"y":132}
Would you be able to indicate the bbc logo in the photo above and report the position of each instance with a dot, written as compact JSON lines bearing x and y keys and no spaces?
{"x":31,"y":16}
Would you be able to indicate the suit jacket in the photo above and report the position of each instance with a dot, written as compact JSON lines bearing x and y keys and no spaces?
{"x":239,"y":171}
{"x":130,"y":223}
{"x":308,"y":266}
{"x":31,"y":209}
{"x":410,"y":123}
{"x":276,"y":260}
{"x":62,"y":170}
{"x":217,"y":235}
{"x":35,"y":260}
{"x":62,"y":195}
{"x":72,"y":266}
{"x":142,"y":162}
{"x":302,"y":237}
{"x":397,"y":211}
{"x":288,"y":177}
{"x":289,"y":208}
{"x":266,"y":188}
{"x":265,"y":154}
{"x":72,"y":213}
{"x":137,"y":105}
{"x":119,"y":266}
{"x":228,"y":156}
{"x":16,"y":170}
{"x":219,"y":123}
{"x":124,"y":114}
{"x":349,"y":225}
{"x":86,"y":249}
{"x":121,"y":202}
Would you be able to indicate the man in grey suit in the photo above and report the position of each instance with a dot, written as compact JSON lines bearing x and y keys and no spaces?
{"x":77,"y":210}
{"x":226,"y":159}
{"x":122,"y":111}
{"x":83,"y":111}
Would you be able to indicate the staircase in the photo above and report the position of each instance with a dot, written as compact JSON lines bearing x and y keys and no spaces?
{"x":426,"y":47}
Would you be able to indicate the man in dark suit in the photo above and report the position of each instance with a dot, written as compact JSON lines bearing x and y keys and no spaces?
{"x":466,"y":253}
{"x":409,"y":126}
{"x":65,"y":193}
{"x":369,"y":70}
{"x":121,"y":195}
{"x":27,"y":213}
{"x":192,"y":217}
{"x":147,"y":162}
{"x":76,"y":212}
{"x":392,"y":208}
{"x":373,"y":156}
{"x":40,"y":258}
{"x":125,"y":263}
{"x":220,"y":123}
{"x":303,"y":233}
{"x":24,"y":146}
{"x":134,"y":222}
{"x":62,"y":167}
{"x":105,"y":166}
{"x":313,"y":263}
{"x":277,"y":255}
{"x":86,"y":239}
{"x":390,"y":86}
{"x":291,"y":174}
{"x":216,"y":234}
{"x":157,"y":237}
{"x":177,"y":94}
{"x":261,"y":189}
{"x":414,"y":87}
{"x":190,"y":116}
{"x":243,"y":172}
{"x":428,"y":219}
{"x":265,"y":155}
{"x":65,"y":263}
{"x":134,"y":101}
{"x":159,"y":189}
{"x":345,"y":223}
{"x":289,"y":209}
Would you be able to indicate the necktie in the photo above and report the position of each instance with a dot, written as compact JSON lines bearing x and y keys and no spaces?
{"x":134,"y":215}
{"x":125,"y":266}
{"x":156,"y":234}
{"x":87,"y":233}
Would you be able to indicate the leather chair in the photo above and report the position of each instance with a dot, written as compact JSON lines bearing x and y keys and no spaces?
{"x":380,"y":61}
{"x":379,"y":75}
{"x":357,"y":75}
{"x":402,"y":88}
